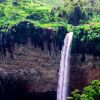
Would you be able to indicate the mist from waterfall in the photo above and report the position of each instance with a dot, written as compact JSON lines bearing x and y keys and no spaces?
{"x":63,"y":81}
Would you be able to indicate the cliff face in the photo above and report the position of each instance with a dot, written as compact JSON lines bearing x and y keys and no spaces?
{"x":30,"y":75}
{"x":38,"y":68}
{"x":33,"y":70}
{"x":82,"y":73}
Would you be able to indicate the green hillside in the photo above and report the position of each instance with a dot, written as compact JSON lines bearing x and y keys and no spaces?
{"x":48,"y":13}
{"x":36,"y":11}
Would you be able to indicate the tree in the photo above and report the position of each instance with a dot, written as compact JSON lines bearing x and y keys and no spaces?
{"x":79,"y":10}
{"x":91,"y":92}
{"x":76,"y":16}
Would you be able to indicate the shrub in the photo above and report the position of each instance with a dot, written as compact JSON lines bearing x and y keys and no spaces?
{"x":91,"y":92}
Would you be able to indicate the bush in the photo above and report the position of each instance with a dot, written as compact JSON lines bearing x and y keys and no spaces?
{"x":91,"y":92}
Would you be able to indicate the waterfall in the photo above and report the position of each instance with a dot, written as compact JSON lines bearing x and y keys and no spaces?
{"x":62,"y":91}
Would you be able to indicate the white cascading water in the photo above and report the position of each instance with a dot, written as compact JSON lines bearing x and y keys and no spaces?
{"x":62,"y":91}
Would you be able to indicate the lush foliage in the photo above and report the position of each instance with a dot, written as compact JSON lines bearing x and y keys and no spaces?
{"x":79,"y":11}
{"x":36,"y":11}
{"x":46,"y":13}
{"x":54,"y":13}
{"x":91,"y":92}
{"x":87,"y":32}
{"x":87,"y":36}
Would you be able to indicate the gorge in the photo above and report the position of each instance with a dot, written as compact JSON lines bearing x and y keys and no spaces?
{"x":49,"y":49}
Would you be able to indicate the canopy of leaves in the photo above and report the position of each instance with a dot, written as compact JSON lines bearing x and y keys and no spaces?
{"x":91,"y":92}
{"x":52,"y":13}
{"x":91,"y":31}
{"x":35,"y":11}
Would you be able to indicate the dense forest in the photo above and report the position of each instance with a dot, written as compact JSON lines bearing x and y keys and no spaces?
{"x":43,"y":22}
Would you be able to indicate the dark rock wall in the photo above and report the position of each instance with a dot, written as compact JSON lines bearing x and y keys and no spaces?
{"x":78,"y":79}
{"x":25,"y":32}
{"x":82,"y":73}
{"x":93,"y":74}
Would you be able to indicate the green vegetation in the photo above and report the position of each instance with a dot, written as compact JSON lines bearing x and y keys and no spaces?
{"x":72,"y":14}
{"x":46,"y":13}
{"x":91,"y":92}
{"x":91,"y":31}
{"x":39,"y":13}
{"x":80,"y":11}
{"x":80,"y":16}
